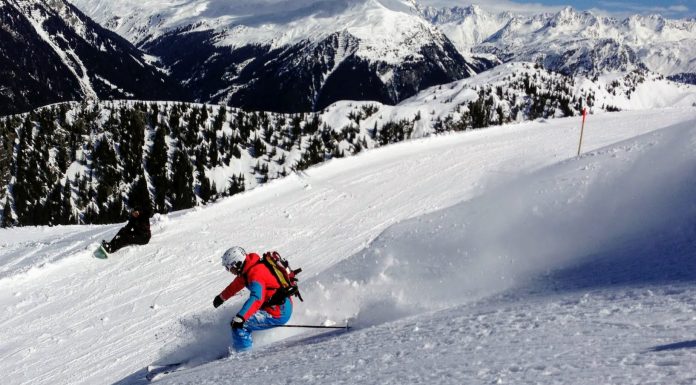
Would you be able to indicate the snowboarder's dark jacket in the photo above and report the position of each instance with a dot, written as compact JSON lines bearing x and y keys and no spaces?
{"x":139,"y":225}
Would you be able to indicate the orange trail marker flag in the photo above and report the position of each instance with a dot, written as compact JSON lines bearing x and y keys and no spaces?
{"x":584,"y":115}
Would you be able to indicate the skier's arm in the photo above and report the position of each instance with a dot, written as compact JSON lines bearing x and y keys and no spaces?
{"x":233,"y":288}
{"x":254,"y":302}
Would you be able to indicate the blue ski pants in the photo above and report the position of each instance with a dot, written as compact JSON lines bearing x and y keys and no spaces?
{"x":261,"y":320}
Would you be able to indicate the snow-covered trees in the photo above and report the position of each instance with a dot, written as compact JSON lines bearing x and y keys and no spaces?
{"x":99,"y":159}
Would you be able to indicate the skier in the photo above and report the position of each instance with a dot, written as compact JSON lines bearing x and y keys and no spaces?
{"x":136,"y":231}
{"x":262,"y":310}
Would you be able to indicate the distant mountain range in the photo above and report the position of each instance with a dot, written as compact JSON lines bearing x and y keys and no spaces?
{"x":293,"y":56}
{"x":302,"y":55}
{"x":574,"y":42}
{"x":568,"y":40}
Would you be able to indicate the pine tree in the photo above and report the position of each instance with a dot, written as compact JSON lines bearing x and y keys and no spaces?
{"x":139,"y":194}
{"x":154,"y":115}
{"x":156,"y":164}
{"x":19,"y":190}
{"x":204,"y":189}
{"x":132,"y":143}
{"x":7,"y":214}
{"x":191,"y":133}
{"x":90,"y":215}
{"x":313,"y":155}
{"x":235,"y":151}
{"x":220,"y":119}
{"x":213,"y":191}
{"x":66,"y":210}
{"x":213,"y":151}
{"x":104,"y":164}
{"x":182,"y":196}
{"x":258,"y":148}
{"x":7,"y":138}
{"x":115,"y":211}
{"x":236,"y":185}
{"x":53,"y":205}
{"x":62,"y":157}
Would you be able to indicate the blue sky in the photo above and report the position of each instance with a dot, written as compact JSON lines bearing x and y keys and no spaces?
{"x":618,"y":8}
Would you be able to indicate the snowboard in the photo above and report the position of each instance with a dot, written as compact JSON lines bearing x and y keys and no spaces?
{"x":100,"y":253}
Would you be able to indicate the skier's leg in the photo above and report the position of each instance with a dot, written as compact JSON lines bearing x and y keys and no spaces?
{"x":261,"y":320}
{"x":241,"y":339}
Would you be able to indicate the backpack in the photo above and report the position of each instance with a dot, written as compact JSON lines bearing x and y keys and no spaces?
{"x":284,"y":275}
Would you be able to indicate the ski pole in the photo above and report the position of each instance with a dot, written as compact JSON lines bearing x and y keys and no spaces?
{"x":310,"y":326}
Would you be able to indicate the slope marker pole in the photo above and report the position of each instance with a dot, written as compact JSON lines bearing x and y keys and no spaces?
{"x":582,"y":128}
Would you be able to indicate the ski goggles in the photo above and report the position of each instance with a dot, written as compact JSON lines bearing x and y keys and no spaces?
{"x":235,"y":268}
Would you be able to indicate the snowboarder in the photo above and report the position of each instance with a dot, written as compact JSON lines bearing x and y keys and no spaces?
{"x":136,"y":231}
{"x":261,"y":310}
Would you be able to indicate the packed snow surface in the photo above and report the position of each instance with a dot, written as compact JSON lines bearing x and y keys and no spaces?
{"x":492,"y":256}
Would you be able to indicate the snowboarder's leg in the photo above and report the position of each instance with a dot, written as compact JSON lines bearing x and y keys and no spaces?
{"x":241,"y":338}
{"x":118,"y":242}
{"x":125,"y":238}
{"x":141,"y":239}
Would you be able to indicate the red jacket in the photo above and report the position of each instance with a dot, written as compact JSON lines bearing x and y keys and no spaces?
{"x":261,"y":284}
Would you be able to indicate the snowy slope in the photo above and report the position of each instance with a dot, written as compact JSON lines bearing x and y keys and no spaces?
{"x":487,"y":256}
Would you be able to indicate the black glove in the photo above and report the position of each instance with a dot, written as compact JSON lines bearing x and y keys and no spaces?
{"x":217,"y":301}
{"x":237,"y":322}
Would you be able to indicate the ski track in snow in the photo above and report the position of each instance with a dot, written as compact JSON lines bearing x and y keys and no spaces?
{"x":73,"y":319}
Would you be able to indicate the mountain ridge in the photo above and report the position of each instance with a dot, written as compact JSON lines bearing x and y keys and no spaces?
{"x":51,"y":52}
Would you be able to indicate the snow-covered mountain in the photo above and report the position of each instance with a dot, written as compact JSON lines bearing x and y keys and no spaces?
{"x":51,"y":52}
{"x":291,"y":56}
{"x":492,"y":256}
{"x":573,"y":42}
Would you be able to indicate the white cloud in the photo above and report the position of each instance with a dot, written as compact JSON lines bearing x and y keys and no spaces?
{"x":625,"y":7}
{"x":606,"y":8}
{"x":496,"y":6}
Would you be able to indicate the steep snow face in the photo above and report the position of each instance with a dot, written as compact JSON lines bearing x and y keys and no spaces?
{"x":387,"y":31}
{"x":466,"y":27}
{"x":38,"y":14}
{"x":51,"y":52}
{"x":496,"y":244}
{"x":276,"y":23}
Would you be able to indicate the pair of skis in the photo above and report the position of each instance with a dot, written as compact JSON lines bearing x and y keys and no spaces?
{"x":155,"y":372}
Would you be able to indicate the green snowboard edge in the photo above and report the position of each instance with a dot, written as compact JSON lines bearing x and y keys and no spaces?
{"x":100,"y":253}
